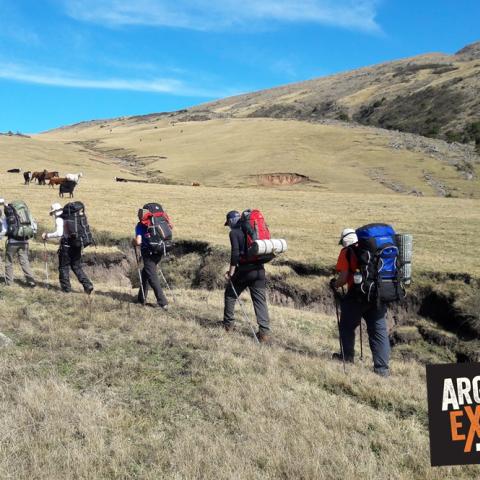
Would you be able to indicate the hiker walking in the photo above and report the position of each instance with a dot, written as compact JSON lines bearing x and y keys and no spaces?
{"x":245,"y":272}
{"x":73,"y":231}
{"x":357,"y":303}
{"x":19,"y":227}
{"x":153,"y":234}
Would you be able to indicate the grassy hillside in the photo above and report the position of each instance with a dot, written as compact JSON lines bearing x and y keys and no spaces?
{"x":434,"y":95}
{"x":335,"y":158}
{"x":99,"y":388}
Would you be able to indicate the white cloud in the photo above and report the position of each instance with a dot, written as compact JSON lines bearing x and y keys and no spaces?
{"x":221,"y":14}
{"x":59,"y":78}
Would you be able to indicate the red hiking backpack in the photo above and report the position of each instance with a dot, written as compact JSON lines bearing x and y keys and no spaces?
{"x":254,"y":227}
{"x":159,"y":228}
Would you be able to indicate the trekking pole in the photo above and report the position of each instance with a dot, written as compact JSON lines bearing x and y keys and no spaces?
{"x":5,"y":263}
{"x":244,"y":312}
{"x":166,"y":283}
{"x":45,"y":258}
{"x":339,"y":334}
{"x":139,"y":275}
{"x":361,"y":341}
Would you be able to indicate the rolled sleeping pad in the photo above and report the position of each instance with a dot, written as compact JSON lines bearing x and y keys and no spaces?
{"x":405,"y":251}
{"x":267,"y":247}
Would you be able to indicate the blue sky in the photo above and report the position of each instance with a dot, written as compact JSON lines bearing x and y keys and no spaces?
{"x":64,"y":61}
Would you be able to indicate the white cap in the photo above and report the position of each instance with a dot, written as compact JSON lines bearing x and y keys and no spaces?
{"x":56,"y":207}
{"x":2,"y":201}
{"x":348,"y":237}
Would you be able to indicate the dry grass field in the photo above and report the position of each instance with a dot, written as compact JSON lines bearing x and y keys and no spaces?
{"x":445,"y":229}
{"x":102,"y":388}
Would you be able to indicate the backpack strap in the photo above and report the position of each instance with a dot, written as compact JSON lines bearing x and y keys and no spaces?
{"x":349,"y":254}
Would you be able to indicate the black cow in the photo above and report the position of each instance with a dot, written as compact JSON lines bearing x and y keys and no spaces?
{"x":14,"y":170}
{"x":27,"y":177}
{"x":67,"y":187}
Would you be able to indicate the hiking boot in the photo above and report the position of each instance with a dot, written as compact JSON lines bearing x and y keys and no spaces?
{"x":339,"y":358}
{"x":383,"y":372}
{"x":88,"y":290}
{"x":263,"y":337}
{"x":31,"y":284}
{"x":165,"y":308}
{"x":228,"y":327}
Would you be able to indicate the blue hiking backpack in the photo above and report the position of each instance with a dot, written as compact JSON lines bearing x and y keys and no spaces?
{"x":378,"y":262}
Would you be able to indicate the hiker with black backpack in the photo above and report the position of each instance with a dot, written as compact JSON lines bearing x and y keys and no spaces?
{"x":19,"y":227}
{"x":368,"y":265}
{"x":153,"y":234}
{"x":71,"y":226}
{"x":246,"y":269}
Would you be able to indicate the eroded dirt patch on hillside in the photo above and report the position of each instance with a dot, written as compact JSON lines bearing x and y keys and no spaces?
{"x":281,"y":179}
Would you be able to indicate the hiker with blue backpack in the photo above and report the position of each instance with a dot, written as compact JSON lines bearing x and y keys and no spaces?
{"x":369,"y":266}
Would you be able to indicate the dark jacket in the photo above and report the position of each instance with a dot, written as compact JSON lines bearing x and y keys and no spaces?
{"x":238,"y":249}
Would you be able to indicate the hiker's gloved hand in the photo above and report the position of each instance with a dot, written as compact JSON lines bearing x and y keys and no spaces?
{"x":333,"y":284}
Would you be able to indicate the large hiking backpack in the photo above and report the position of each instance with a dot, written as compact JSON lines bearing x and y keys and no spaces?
{"x":20,"y":224}
{"x":75,"y":228}
{"x":254,"y":227}
{"x":159,"y":228}
{"x":378,"y":262}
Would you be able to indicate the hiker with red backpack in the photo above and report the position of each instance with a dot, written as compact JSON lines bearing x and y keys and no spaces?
{"x":153,"y":234}
{"x":247,"y":270}
{"x":71,"y":227}
{"x":368,"y":265}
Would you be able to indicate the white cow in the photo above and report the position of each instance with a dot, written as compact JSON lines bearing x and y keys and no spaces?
{"x":74,"y":177}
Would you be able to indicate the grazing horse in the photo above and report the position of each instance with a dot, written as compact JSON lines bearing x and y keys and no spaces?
{"x":40,"y":177}
{"x":49,"y":175}
{"x":74,"y":177}
{"x":57,"y":181}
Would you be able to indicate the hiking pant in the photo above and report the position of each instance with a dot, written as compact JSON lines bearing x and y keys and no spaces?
{"x":256,"y":283}
{"x":150,"y":277}
{"x":353,"y":311}
{"x":71,"y":257}
{"x":21,"y":251}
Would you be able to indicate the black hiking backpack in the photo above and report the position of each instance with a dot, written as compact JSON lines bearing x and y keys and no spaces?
{"x":159,"y":228}
{"x":75,"y":228}
{"x":378,"y":263}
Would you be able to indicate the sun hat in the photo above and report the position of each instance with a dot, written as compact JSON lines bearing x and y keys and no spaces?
{"x":56,"y":207}
{"x":348,"y":237}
